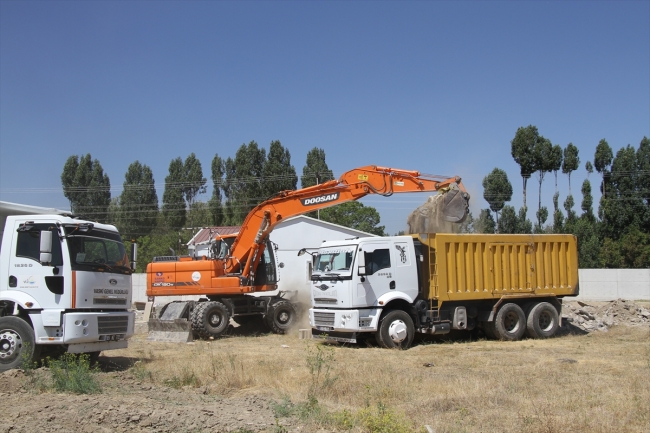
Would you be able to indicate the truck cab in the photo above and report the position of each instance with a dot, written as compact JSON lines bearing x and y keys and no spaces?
{"x":63,"y":282}
{"x":354,"y":280}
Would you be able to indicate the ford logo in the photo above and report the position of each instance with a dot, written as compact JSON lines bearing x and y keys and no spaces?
{"x":323,"y":287}
{"x":112,"y":281}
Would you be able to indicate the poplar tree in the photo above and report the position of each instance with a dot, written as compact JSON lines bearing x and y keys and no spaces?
{"x":174,"y":206}
{"x":278,"y":173}
{"x":523,"y":152}
{"x":138,"y":203}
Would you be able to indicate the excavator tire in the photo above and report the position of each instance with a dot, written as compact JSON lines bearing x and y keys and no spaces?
{"x":210,"y":319}
{"x":281,"y":316}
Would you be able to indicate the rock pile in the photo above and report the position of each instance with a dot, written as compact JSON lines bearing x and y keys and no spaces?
{"x":600,"y":316}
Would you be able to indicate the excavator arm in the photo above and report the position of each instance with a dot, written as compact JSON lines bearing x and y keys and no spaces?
{"x":353,"y":185}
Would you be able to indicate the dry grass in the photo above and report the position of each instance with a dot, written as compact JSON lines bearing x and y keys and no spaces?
{"x":592,"y":383}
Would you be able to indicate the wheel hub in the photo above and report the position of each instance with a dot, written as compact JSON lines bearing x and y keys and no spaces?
{"x":8,"y":344}
{"x":545,"y":321}
{"x":215,"y":320}
{"x":511,"y":322}
{"x":283,"y":317}
{"x":397,"y":331}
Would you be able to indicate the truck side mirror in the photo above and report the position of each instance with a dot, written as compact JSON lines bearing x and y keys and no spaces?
{"x":134,"y":255}
{"x":362,"y":263}
{"x":46,"y":247}
{"x":302,"y":251}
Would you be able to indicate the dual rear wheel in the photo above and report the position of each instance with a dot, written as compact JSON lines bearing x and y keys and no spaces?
{"x":511,"y":322}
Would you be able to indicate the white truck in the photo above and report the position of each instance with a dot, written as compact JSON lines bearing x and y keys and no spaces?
{"x":65,"y":285}
{"x":394,"y":287}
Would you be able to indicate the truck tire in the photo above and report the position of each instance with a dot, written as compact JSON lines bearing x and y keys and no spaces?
{"x":210,"y":319}
{"x":16,"y":343}
{"x":281,"y":316}
{"x":395,"y":330}
{"x":543,"y":321}
{"x":510,"y":322}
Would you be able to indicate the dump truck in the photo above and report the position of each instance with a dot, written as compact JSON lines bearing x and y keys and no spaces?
{"x":65,"y":285}
{"x":244,"y":264}
{"x":392,"y":288}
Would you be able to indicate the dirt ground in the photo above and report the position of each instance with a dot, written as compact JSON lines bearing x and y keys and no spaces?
{"x":129,"y":402}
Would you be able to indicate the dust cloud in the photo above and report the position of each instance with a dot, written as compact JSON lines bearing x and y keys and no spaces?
{"x":429,"y":218}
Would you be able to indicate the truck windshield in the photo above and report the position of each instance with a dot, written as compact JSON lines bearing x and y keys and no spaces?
{"x":97,"y":250}
{"x":334,"y":260}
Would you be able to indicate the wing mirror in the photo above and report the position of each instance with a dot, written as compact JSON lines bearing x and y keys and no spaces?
{"x":46,"y":247}
{"x":361,"y":263}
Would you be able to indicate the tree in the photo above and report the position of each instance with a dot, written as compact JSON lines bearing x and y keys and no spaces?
{"x":316,"y":170}
{"x":497,"y":190}
{"x":278,"y":173}
{"x":570,"y":213}
{"x":587,"y":201}
{"x":588,"y":243}
{"x":602,"y":160}
{"x":355,"y":215}
{"x":87,"y":187}
{"x":524,"y":225}
{"x":542,"y":216}
{"x":523,"y":152}
{"x":509,"y":223}
{"x":571,"y":161}
{"x":174,"y":207}
{"x":243,"y":184}
{"x":484,"y":223}
{"x":589,"y":168}
{"x":555,"y":162}
{"x":138,"y":203}
{"x":193,"y":181}
{"x":215,"y":204}
{"x":544,"y":163}
{"x":643,"y":182}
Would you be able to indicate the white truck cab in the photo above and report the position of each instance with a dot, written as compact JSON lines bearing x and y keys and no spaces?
{"x":64,"y":283}
{"x":354,"y":280}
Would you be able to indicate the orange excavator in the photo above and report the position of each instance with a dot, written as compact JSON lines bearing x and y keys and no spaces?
{"x":242,"y":264}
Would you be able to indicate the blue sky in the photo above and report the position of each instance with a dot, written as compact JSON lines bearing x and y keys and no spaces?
{"x":439,"y":87}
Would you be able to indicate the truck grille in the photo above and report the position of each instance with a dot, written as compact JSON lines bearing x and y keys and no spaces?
{"x":325,"y":301}
{"x":113,"y":324}
{"x":109,"y":301}
{"x":324,"y":319}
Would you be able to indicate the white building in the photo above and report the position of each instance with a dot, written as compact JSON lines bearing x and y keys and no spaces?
{"x":290,"y":235}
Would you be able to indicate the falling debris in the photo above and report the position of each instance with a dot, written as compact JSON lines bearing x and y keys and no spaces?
{"x":429,"y":218}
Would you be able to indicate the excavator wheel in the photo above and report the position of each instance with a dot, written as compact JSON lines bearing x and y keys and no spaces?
{"x":210,"y":319}
{"x":281,"y":316}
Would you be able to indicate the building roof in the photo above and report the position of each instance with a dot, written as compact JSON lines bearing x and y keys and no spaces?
{"x":203,"y":236}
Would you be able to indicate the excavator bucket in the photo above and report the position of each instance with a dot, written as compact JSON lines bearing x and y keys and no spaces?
{"x":456,"y":204}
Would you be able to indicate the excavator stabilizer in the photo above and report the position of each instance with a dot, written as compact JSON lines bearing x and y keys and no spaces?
{"x":456,"y":204}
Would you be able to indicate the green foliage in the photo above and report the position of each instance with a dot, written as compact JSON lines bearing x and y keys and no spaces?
{"x":381,"y":419}
{"x":137,"y":212}
{"x":542,"y":216}
{"x":584,"y":229}
{"x":355,"y":215}
{"x":193,"y":181}
{"x":571,"y":161}
{"x":173,"y":207}
{"x":555,"y":161}
{"x":523,"y":152}
{"x":279,"y":174}
{"x":73,"y":373}
{"x":524,"y":225}
{"x":215,"y":204}
{"x":497,"y":190}
{"x":316,"y":170}
{"x":603,"y":157}
{"x":587,"y":201}
{"x":485,"y":223}
{"x":320,"y":360}
{"x":243,"y":186}
{"x":158,"y":244}
{"x":87,"y":187}
{"x":187,"y":378}
{"x":509,"y":223}
{"x":589,"y":167}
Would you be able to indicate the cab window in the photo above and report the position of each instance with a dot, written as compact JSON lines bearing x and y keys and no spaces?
{"x":29,"y":244}
{"x":377,"y":260}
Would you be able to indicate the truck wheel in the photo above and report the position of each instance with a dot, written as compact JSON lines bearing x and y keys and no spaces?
{"x":543,"y":321}
{"x":396,"y":330}
{"x":210,"y":319}
{"x":281,"y":316}
{"x":16,"y":343}
{"x":510,"y":322}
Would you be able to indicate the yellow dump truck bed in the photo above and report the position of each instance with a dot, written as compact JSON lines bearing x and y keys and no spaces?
{"x":462,"y":267}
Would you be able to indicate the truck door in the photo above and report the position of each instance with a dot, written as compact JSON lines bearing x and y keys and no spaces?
{"x":379,"y":277}
{"x":27,"y":274}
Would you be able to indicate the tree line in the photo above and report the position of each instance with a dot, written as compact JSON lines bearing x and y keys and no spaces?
{"x":617,"y":237}
{"x":239,"y":184}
